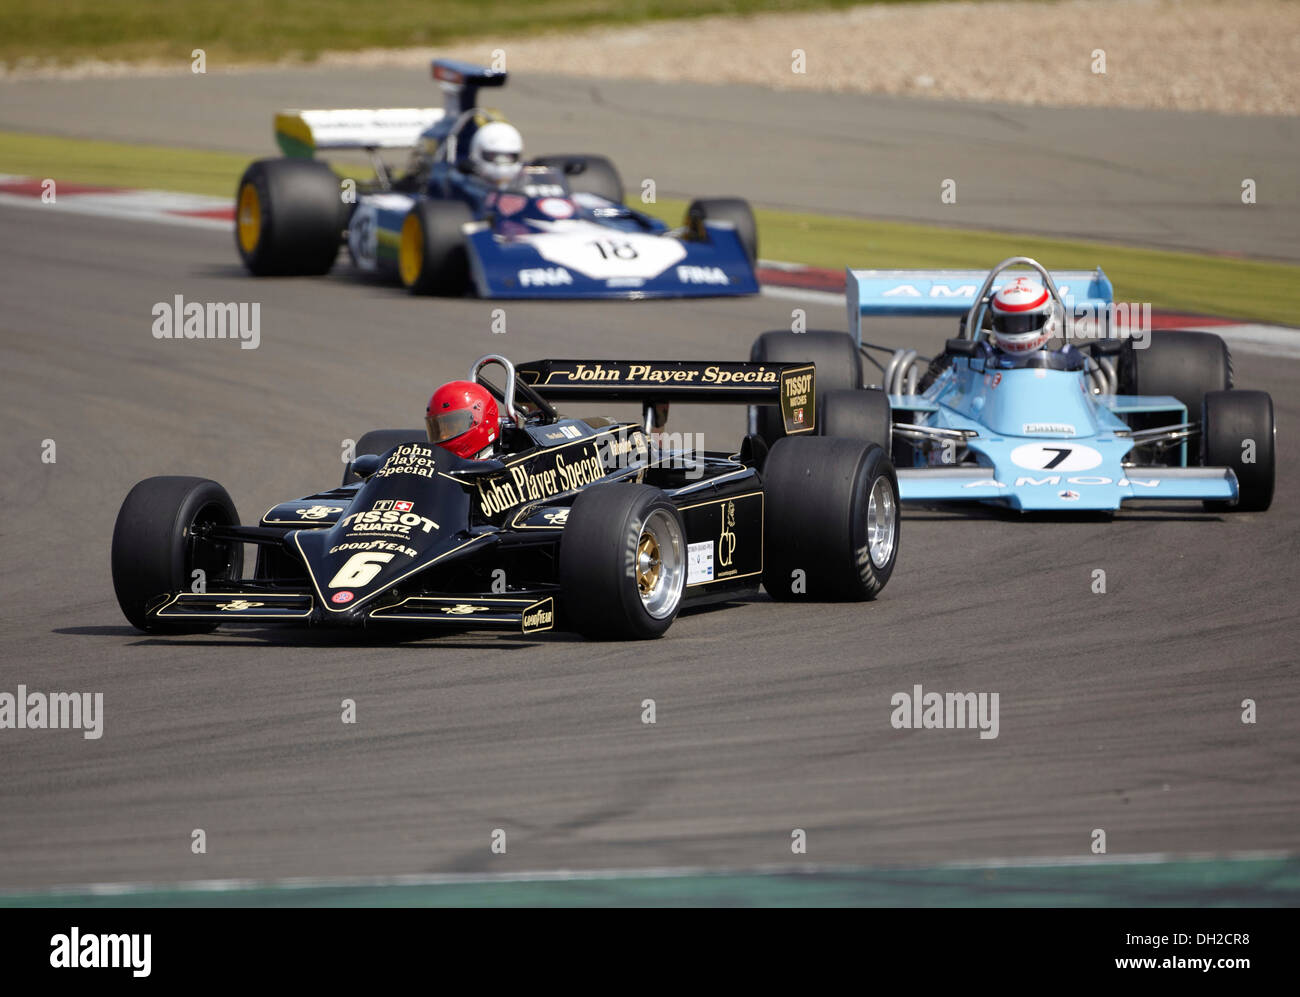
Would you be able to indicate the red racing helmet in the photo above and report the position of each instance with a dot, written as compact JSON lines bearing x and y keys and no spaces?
{"x":462,"y":417}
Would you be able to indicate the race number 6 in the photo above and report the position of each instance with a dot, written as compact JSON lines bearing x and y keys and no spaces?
{"x":360,"y":570}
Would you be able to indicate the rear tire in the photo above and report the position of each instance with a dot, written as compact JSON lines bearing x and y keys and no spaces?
{"x":379,"y":442}
{"x":1184,"y":364}
{"x":833,"y":353}
{"x":289,"y":217}
{"x":587,"y":175}
{"x":154,"y":553}
{"x":622,"y":563}
{"x":832,"y":514}
{"x":1230,"y":421}
{"x":856,"y":415}
{"x":432,"y":257}
{"x":735,"y":210}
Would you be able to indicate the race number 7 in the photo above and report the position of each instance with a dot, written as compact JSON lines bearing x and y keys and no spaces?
{"x":360,"y":570}
{"x":1061,"y":454}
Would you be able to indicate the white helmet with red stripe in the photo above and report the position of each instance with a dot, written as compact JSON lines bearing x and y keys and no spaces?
{"x":1024,"y":315}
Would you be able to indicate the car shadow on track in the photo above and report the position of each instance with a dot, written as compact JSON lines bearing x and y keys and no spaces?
{"x":952,"y":512}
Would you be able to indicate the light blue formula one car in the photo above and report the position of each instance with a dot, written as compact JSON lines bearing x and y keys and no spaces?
{"x":1087,"y":422}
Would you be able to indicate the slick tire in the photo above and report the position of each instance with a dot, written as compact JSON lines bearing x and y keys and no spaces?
{"x":587,"y":175}
{"x":379,"y":442}
{"x":289,"y":217}
{"x":622,"y":563}
{"x":431,"y":256}
{"x":1236,"y":425}
{"x":831,"y":520}
{"x":735,"y":210}
{"x":154,"y":552}
{"x":1184,"y":364}
{"x":833,"y":353}
{"x":856,"y":415}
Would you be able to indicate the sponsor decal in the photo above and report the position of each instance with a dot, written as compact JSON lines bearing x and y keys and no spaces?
{"x":699,"y":562}
{"x":727,"y":539}
{"x":539,"y":616}
{"x":625,"y":282}
{"x":342,"y":597}
{"x":463,"y":609}
{"x":1060,"y":428}
{"x":701,"y":275}
{"x":556,"y":207}
{"x":1054,"y":481}
{"x":1068,"y":495}
{"x":387,"y":520}
{"x":639,"y":373}
{"x":236,"y":605}
{"x":511,"y":204}
{"x":319,"y":511}
{"x":520,"y":484}
{"x":798,"y":416}
{"x":544,"y":277}
{"x":558,"y":518}
{"x":412,"y":458}
{"x":373,"y":545}
{"x":997,"y":379}
{"x":797,"y":399}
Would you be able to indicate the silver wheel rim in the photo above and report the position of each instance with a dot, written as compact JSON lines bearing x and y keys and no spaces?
{"x":660,"y":564}
{"x":882,"y":522}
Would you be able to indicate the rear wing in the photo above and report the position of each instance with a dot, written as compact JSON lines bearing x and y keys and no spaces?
{"x":951,"y":292}
{"x":302,"y":133}
{"x":790,"y":385}
{"x":460,"y":82}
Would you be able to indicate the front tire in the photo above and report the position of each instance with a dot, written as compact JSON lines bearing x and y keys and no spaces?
{"x":622,"y":562}
{"x":155,"y":552}
{"x":432,"y":257}
{"x":587,"y":175}
{"x":831,"y":521}
{"x":735,"y":210}
{"x":1234,"y":425}
{"x":289,"y":217}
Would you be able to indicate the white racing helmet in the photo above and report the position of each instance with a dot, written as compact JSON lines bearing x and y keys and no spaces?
{"x":496,"y":152}
{"x":1024,"y":316}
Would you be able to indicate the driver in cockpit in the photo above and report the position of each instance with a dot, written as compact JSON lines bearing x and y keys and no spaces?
{"x":463,"y":417}
{"x":496,"y":153}
{"x":1025,"y":319}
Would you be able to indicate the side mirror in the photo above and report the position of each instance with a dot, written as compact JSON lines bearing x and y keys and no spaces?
{"x":1107,"y":347}
{"x":961,"y":347}
{"x":366,"y":465}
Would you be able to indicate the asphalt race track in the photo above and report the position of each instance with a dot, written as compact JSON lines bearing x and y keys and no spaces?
{"x":1159,"y":178}
{"x":1119,"y":711}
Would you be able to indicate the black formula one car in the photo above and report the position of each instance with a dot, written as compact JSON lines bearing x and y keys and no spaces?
{"x":578,"y":524}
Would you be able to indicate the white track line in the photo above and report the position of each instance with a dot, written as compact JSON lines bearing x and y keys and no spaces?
{"x":654,"y":872}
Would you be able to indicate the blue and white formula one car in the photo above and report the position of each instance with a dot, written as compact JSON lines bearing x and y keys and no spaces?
{"x":1021,"y":412}
{"x":468,"y":211}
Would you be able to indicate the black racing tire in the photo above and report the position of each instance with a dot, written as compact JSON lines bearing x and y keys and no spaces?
{"x":587,"y":174}
{"x":856,"y":415}
{"x":1180,"y":363}
{"x":154,"y":554}
{"x":379,"y":442}
{"x":832,"y":513}
{"x":432,"y":257}
{"x":289,"y":217}
{"x":735,"y":210}
{"x":610,"y":528}
{"x":833,"y":353}
{"x":1233,"y":425}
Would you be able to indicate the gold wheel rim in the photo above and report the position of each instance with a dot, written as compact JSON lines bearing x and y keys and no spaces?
{"x":648,"y":564}
{"x":410,"y":253}
{"x":249,"y":218}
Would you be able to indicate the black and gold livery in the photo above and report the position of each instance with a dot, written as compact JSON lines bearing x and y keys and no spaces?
{"x":578,"y":524}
